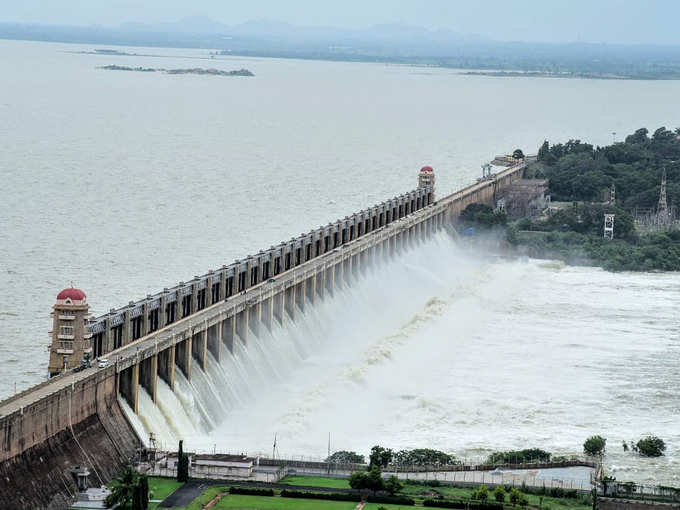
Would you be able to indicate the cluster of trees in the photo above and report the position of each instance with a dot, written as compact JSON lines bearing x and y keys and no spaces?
{"x":382,"y":457}
{"x":650,"y":252}
{"x":580,"y":172}
{"x":649,"y":446}
{"x":499,"y":494}
{"x":482,"y":216}
{"x":129,"y":490}
{"x":424,"y":457}
{"x":346,"y":457}
{"x":584,"y":219}
{"x":519,"y":456}
{"x":372,"y":478}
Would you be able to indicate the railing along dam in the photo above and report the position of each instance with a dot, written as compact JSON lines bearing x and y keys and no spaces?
{"x":177,"y":328}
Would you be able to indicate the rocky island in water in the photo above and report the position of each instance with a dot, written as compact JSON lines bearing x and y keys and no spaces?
{"x":196,"y":70}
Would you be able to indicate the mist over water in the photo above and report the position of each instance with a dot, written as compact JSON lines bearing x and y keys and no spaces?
{"x":448,"y":348}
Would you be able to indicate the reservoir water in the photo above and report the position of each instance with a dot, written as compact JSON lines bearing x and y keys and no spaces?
{"x":128,"y":182}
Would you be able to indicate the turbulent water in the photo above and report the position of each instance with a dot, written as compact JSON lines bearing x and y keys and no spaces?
{"x":446,"y":349}
{"x":129,"y":182}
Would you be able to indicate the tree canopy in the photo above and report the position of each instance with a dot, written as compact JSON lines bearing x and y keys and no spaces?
{"x":346,"y":457}
{"x":580,"y":172}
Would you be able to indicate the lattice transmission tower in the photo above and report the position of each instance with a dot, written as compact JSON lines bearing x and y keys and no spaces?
{"x":609,"y":226}
{"x":662,"y":212}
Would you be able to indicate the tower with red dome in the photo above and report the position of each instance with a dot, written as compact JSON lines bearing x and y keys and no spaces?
{"x":426,"y":178}
{"x":70,"y":337}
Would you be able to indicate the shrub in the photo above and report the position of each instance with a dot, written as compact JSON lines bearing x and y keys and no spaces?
{"x":423,"y":457}
{"x":651,"y":446}
{"x":331,"y":496}
{"x":346,"y":457}
{"x":519,"y":456}
{"x":499,"y":493}
{"x":515,"y":496}
{"x":442,"y":503}
{"x":248,"y":491}
{"x":393,"y":485}
{"x":594,"y":445}
{"x":391,"y":500}
{"x":523,"y":500}
{"x":482,"y":493}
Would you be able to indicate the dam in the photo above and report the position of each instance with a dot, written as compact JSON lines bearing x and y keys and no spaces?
{"x":171,"y":338}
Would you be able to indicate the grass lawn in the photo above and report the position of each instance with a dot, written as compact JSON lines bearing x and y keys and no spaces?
{"x":465,"y":493}
{"x":316,"y":481}
{"x":161,"y":488}
{"x":375,"y":506}
{"x":207,"y":496}
{"x":277,"y":503}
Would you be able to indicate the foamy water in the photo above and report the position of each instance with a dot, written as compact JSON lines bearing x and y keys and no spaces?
{"x":444,"y":349}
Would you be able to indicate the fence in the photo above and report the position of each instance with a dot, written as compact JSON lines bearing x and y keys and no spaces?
{"x":631,"y":490}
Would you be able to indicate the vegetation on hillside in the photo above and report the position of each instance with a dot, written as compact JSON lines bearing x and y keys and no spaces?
{"x":580,"y":172}
{"x":582,"y":175}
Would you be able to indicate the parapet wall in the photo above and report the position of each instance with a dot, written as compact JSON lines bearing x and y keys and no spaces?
{"x":41,"y":414}
{"x":39,"y":478}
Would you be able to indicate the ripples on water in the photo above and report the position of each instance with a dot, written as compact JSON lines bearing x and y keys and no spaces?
{"x":128,"y":182}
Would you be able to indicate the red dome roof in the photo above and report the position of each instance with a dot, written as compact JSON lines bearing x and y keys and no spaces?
{"x":72,"y":294}
{"x":427,"y":168}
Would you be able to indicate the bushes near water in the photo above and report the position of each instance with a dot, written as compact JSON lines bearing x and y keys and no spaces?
{"x":519,"y":456}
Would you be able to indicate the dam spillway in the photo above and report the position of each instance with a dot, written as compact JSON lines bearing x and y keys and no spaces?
{"x":192,"y":346}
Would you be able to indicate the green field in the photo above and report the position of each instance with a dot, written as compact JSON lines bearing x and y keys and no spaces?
{"x":316,"y":481}
{"x":161,"y":488}
{"x":277,"y":503}
{"x":416,"y":491}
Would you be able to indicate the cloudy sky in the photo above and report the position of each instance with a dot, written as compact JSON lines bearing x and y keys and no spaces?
{"x":614,"y":21}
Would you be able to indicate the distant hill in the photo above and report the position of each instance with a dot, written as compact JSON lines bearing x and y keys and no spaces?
{"x":403,"y":44}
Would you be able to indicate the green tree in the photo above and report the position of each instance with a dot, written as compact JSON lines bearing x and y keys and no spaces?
{"x":136,"y":498}
{"x":380,"y":457}
{"x":346,"y":457}
{"x":651,"y":446}
{"x":523,"y":500}
{"x":482,"y":216}
{"x":371,"y":479}
{"x":393,"y":485}
{"x":482,"y":493}
{"x":375,"y":480}
{"x":358,"y":480}
{"x":144,"y":491}
{"x":594,"y":445}
{"x":499,"y":493}
{"x":123,"y":487}
{"x":182,"y":464}
{"x":515,"y":496}
{"x":544,"y":154}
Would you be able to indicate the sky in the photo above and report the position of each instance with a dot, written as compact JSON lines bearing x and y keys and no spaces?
{"x":611,"y":21}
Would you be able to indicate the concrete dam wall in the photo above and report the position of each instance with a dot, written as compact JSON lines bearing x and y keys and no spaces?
{"x":76,"y":417}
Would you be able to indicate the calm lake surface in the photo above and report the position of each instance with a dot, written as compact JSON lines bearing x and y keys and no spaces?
{"x":127,"y":182}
